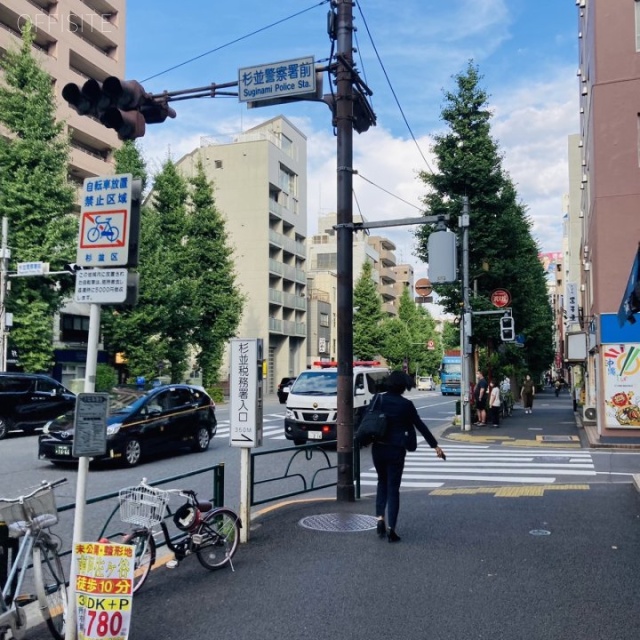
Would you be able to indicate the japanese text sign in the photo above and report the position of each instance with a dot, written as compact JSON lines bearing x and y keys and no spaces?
{"x":105,"y":212}
{"x":277,"y":80}
{"x":571,"y":303}
{"x":101,"y":286}
{"x":104,"y":590}
{"x":246,"y":393}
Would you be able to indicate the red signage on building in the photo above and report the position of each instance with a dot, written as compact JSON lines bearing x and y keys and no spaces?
{"x":500,"y":298}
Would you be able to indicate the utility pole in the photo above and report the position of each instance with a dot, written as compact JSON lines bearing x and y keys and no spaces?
{"x":467,"y":328}
{"x":4,"y":279}
{"x":344,"y":127}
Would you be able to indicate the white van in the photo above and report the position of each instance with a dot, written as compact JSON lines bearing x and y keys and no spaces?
{"x":425,"y":383}
{"x":312,"y":404}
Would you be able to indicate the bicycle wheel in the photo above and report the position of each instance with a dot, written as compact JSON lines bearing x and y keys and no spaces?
{"x":144,"y":555}
{"x":220,"y":531}
{"x":51,"y":587}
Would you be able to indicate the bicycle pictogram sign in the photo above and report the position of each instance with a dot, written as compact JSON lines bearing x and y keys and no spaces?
{"x":103,"y":230}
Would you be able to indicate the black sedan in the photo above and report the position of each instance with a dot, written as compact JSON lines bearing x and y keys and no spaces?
{"x":167,"y":418}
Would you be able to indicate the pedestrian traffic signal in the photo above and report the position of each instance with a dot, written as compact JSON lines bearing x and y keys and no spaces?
{"x":507,"y":329}
{"x":122,"y":105}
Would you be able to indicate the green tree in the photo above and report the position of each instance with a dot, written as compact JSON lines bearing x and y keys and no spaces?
{"x":36,"y":198}
{"x":367,"y":316}
{"x":469,"y":163}
{"x":217,"y":301}
{"x":450,"y":336}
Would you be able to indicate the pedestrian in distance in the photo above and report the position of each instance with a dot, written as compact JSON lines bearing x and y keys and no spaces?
{"x":480,"y":397}
{"x":527,"y":392}
{"x":495,"y":404}
{"x":388,"y":455}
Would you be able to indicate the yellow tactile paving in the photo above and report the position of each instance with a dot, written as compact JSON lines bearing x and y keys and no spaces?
{"x":529,"y":491}
{"x":510,"y":442}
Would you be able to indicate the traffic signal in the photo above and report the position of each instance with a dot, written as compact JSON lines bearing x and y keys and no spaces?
{"x":507,"y":329}
{"x":122,"y":105}
{"x":72,"y":267}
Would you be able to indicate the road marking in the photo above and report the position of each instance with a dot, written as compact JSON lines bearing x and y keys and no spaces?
{"x":510,"y":492}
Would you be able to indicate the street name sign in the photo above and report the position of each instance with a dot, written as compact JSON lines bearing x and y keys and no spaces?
{"x":32,"y":268}
{"x":276,"y":80}
{"x":105,"y":220}
{"x":90,"y":432}
{"x":101,"y":286}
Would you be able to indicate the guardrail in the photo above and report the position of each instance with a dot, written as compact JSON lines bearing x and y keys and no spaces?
{"x":300,"y":470}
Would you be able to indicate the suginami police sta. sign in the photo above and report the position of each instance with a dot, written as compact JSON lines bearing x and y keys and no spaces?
{"x":277,"y":80}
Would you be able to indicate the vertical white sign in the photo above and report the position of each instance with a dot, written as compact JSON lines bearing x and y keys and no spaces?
{"x":246,"y":393}
{"x":571,"y":301}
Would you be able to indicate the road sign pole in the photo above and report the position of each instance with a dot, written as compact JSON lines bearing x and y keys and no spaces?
{"x":83,"y":470}
{"x":466,"y":332}
{"x":4,"y":262}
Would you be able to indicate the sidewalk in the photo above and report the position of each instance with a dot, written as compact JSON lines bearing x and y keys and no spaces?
{"x":468,"y":566}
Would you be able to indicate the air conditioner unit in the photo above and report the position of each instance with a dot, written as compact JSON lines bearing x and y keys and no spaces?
{"x":583,"y":3}
{"x":589,"y":414}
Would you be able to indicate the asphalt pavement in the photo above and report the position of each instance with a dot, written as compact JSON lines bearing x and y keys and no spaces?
{"x":478,"y":563}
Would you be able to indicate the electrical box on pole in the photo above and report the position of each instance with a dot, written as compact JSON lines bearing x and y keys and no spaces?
{"x":443,"y":257}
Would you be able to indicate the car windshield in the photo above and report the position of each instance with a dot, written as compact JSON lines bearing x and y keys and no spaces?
{"x":450,"y":367}
{"x":316,"y":383}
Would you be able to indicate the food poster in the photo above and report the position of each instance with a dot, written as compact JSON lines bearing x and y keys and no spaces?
{"x":621,"y":386}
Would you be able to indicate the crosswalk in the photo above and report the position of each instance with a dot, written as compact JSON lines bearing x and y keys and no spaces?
{"x":478,"y":463}
{"x":466,"y":462}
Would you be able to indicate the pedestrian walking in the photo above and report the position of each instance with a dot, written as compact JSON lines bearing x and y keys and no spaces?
{"x":495,"y":404}
{"x":388,"y":455}
{"x":527,"y":392}
{"x":480,"y":398}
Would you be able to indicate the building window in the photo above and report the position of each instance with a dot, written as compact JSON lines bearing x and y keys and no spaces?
{"x":217,"y":164}
{"x":74,"y":328}
{"x":287,"y":181}
{"x":324,"y":319}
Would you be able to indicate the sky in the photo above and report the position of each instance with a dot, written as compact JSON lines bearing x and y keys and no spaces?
{"x":408,"y":53}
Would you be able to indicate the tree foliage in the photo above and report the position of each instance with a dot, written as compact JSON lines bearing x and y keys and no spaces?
{"x":470,"y":164}
{"x":37,"y":199}
{"x":367,"y":316}
{"x":188,"y":305}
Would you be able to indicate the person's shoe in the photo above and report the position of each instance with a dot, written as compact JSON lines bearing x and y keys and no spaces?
{"x":496,"y":426}
{"x":381,"y":529}
{"x":392,"y":536}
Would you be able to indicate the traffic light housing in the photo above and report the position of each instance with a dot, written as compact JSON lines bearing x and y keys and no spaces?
{"x":507,"y":329}
{"x":122,"y":105}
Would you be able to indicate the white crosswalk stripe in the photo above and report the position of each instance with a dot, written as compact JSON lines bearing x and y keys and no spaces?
{"x":489,"y":464}
{"x":272,"y":427}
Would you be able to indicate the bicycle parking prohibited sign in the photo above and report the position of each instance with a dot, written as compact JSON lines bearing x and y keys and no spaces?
{"x":105,"y":219}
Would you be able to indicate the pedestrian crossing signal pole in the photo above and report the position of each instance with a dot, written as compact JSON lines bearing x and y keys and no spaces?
{"x":467,"y":322}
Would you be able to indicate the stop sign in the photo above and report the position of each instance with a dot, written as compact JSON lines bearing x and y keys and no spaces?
{"x":424,"y":287}
{"x":500,"y":298}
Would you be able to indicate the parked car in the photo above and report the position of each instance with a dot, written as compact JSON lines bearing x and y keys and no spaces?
{"x":169,"y":417}
{"x":283,"y":389}
{"x":425,"y":383}
{"x":29,"y":400}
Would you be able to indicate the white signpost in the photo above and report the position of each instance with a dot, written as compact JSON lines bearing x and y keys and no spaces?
{"x":246,"y":412}
{"x":276,"y":80}
{"x":105,"y":221}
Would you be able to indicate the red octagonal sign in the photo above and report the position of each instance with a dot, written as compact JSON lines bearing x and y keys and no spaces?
{"x":500,"y":298}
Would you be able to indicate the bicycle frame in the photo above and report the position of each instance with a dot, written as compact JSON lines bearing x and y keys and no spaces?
{"x":10,"y":616}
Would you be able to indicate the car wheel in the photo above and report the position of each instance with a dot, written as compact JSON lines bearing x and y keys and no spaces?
{"x":4,"y":428}
{"x":132,"y":452}
{"x":202,"y":439}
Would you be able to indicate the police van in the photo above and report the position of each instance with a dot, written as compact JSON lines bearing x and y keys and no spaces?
{"x":312,"y":404}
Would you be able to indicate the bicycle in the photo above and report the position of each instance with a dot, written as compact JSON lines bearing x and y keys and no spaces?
{"x":30,"y":517}
{"x":103,"y":229}
{"x":507,"y":404}
{"x":211,"y":533}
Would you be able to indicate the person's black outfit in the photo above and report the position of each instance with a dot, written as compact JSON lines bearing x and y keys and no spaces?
{"x":388,"y":456}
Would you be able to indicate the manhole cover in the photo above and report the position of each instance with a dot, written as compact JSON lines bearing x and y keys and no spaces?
{"x":540,"y":532}
{"x":558,"y":438}
{"x":339,"y":522}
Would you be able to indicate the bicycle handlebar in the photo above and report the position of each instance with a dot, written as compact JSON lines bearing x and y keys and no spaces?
{"x":185,"y":493}
{"x":45,"y":484}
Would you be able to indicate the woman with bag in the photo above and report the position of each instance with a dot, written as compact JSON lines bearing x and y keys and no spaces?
{"x":389,"y":453}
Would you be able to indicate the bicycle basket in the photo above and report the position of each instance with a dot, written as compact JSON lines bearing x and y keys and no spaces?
{"x":143,"y":506}
{"x":39,"y":510}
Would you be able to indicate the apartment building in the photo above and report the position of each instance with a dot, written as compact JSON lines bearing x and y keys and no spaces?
{"x":260,"y":181}
{"x":74,"y":40}
{"x":607,"y":207}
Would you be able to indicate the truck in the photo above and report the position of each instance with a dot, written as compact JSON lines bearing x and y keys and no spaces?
{"x":451,"y":373}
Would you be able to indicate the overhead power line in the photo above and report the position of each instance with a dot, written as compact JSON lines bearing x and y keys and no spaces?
{"x":228,"y":44}
{"x":395,"y":97}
